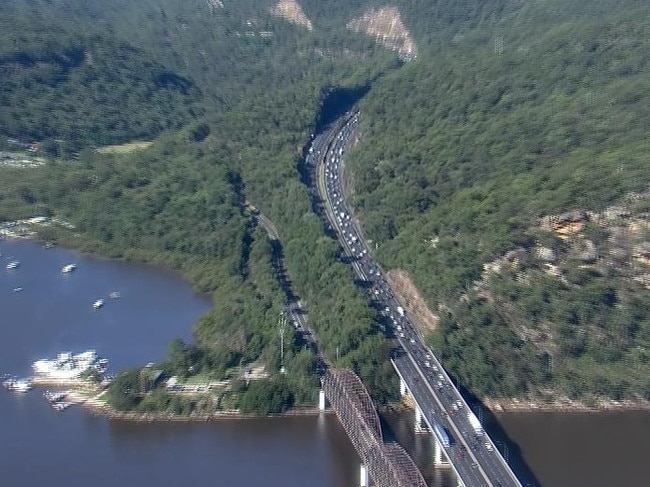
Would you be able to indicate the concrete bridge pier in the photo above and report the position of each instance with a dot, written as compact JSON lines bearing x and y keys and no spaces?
{"x":402,"y":387}
{"x":322,"y":402}
{"x":439,"y":458}
{"x":420,"y":427}
{"x":364,"y":477}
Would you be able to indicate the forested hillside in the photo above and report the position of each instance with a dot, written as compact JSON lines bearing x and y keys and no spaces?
{"x":83,"y":86}
{"x":462,"y":154}
{"x":507,"y":113}
{"x":255,"y":83}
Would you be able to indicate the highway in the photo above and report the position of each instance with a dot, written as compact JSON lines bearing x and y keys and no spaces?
{"x":472,"y":454}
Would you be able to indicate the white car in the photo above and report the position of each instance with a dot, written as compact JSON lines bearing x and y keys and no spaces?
{"x":488,"y":446}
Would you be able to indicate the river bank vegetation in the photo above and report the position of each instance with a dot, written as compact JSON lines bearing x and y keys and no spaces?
{"x":509,"y":113}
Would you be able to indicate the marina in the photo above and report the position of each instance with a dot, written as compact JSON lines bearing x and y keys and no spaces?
{"x":53,"y":315}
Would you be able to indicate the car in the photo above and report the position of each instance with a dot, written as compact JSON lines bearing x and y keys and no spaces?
{"x":427,"y":363}
{"x":488,"y":446}
{"x":413,"y":340}
{"x":459,"y":403}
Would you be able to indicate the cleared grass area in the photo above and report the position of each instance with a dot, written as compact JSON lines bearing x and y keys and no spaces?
{"x":124,"y":148}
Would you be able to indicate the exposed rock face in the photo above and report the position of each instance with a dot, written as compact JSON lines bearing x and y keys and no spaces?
{"x":545,"y":254}
{"x":386,"y":26}
{"x":585,"y":251}
{"x":291,"y":11}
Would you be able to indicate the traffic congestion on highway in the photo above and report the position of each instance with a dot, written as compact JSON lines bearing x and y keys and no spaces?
{"x":472,"y":454}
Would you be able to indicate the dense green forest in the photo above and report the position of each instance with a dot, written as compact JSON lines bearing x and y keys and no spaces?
{"x":179,"y":203}
{"x":510,"y":112}
{"x":464,"y":151}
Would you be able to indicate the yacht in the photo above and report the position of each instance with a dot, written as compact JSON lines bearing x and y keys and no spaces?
{"x":13,"y":264}
{"x":18,"y":385}
{"x":98,"y":304}
{"x":68,"y":268}
{"x":68,"y":366}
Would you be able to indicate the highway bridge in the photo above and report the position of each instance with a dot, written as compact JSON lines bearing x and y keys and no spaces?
{"x":440,"y":408}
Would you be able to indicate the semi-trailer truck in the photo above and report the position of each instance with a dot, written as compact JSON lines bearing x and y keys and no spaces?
{"x":476,"y":424}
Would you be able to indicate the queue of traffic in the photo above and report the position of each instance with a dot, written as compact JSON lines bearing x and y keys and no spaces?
{"x":469,"y":449}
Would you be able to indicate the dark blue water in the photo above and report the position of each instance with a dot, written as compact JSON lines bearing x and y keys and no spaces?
{"x":39,"y":446}
{"x":53,"y":313}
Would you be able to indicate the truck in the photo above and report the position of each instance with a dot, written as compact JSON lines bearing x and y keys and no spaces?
{"x":476,"y":424}
{"x":442,"y":435}
{"x":400,"y":310}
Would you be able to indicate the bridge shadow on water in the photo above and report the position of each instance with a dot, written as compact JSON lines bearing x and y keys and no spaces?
{"x":509,"y":449}
{"x":399,"y":427}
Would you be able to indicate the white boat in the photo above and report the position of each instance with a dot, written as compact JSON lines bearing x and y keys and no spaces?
{"x":98,"y":304}
{"x":60,"y":406}
{"x":18,"y":385}
{"x":54,"y":396}
{"x":114,"y":295}
{"x":67,"y":366}
{"x":14,"y":264}
{"x":68,"y":268}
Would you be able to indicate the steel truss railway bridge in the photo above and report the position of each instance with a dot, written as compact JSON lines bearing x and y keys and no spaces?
{"x":386,"y":463}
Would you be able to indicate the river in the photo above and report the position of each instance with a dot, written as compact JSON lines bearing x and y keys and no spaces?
{"x":40,"y":446}
{"x":53,"y":312}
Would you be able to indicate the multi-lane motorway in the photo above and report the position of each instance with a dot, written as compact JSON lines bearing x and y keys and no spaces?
{"x":473,"y":456}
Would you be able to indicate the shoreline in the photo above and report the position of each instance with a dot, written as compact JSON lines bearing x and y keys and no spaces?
{"x":562,"y":405}
{"x":98,"y":407}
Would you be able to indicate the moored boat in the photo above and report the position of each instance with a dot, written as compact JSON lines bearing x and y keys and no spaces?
{"x":14,"y":264}
{"x":62,"y":405}
{"x":68,"y":366}
{"x":98,"y":304}
{"x":18,"y":385}
{"x":54,"y":396}
{"x":68,"y":268}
